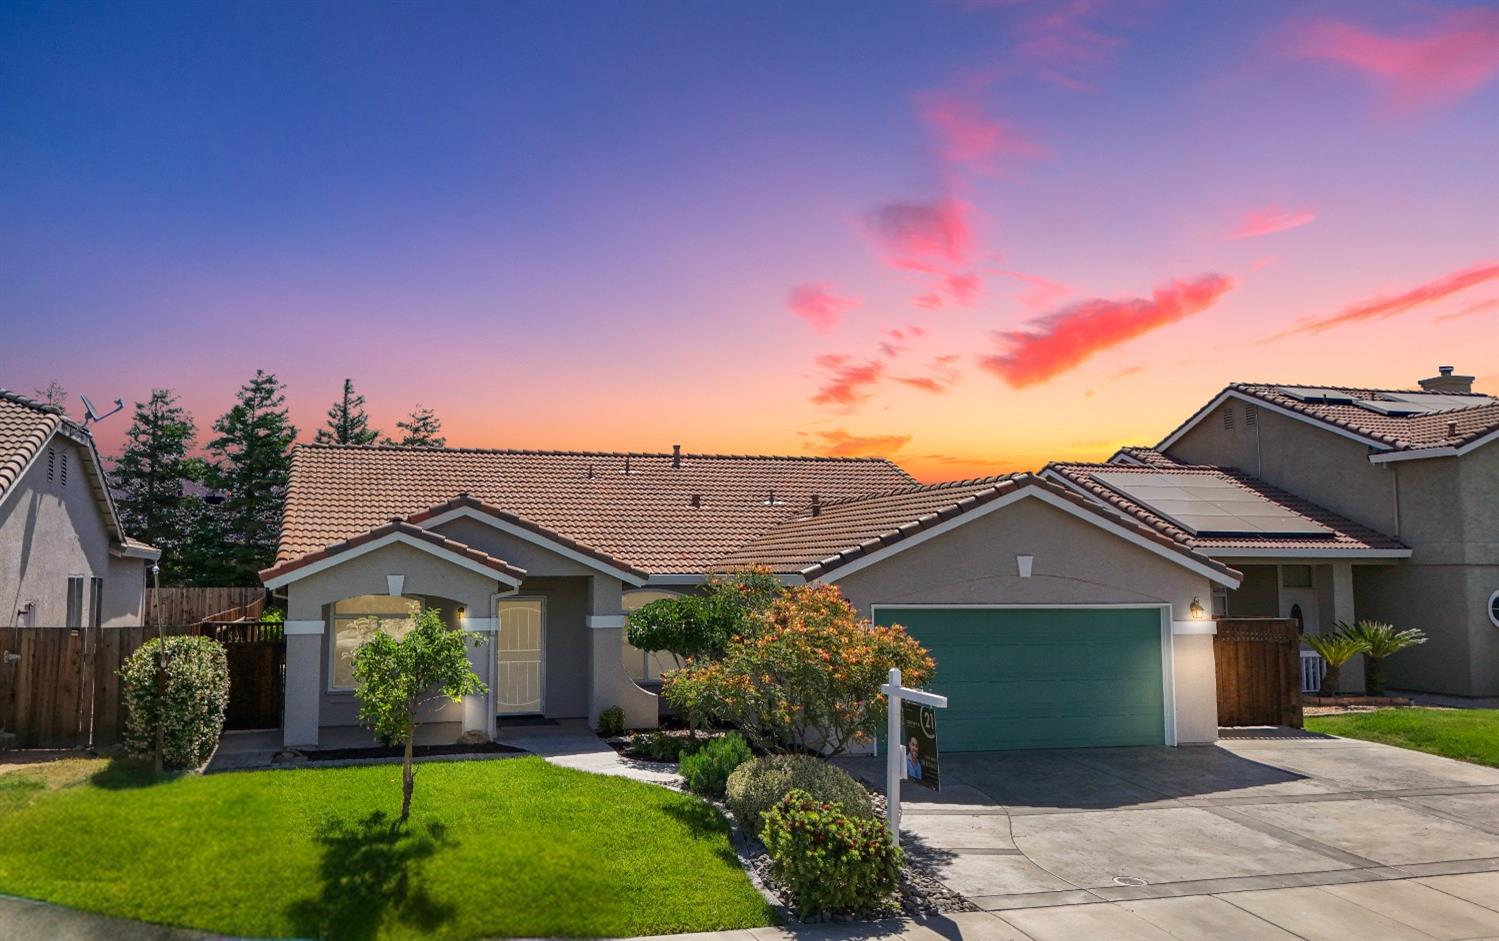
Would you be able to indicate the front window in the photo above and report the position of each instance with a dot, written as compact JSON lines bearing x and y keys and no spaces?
{"x":644,"y":666}
{"x":356,"y":620}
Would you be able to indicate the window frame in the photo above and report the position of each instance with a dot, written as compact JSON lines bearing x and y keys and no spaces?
{"x":73,"y":613}
{"x":331,"y":686}
{"x":96,"y":602}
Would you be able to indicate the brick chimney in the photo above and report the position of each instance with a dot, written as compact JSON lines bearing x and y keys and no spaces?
{"x":1447,"y":382}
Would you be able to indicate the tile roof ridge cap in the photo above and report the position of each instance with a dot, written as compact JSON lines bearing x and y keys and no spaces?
{"x":56,"y":411}
{"x":1273,"y":386}
{"x":922,"y":488}
{"x":572,"y":452}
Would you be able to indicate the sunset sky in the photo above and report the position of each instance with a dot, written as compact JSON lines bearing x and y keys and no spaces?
{"x":972,"y":236}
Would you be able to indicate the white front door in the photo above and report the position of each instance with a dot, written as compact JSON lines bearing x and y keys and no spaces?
{"x":518,"y":652}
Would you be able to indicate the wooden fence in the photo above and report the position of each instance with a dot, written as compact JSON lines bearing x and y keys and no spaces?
{"x":189,"y":605}
{"x":1258,"y":663}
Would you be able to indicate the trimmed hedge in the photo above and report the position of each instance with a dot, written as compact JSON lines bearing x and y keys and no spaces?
{"x":707,"y":770}
{"x":831,"y":862}
{"x":193,"y":704}
{"x":612,"y":722}
{"x":757,"y":785}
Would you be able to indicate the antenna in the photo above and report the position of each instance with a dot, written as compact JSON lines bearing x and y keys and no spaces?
{"x":93,"y":413}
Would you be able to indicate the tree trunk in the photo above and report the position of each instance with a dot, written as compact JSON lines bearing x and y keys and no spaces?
{"x":1373,"y":676}
{"x":408,"y":775}
{"x":1329,"y":681}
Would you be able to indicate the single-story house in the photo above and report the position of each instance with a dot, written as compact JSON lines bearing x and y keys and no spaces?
{"x":1054,"y":620}
{"x":65,"y":559}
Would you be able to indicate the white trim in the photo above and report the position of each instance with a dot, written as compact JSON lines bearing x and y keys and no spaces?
{"x":394,"y":585}
{"x":1168,"y":650}
{"x":1045,"y":496}
{"x":1330,"y":554}
{"x":1227,"y":394}
{"x":447,"y":555}
{"x":1416,"y":454}
{"x":1191,"y":628}
{"x":1024,"y":564}
{"x":603,"y":622}
{"x":122,"y":551}
{"x":521,"y":532}
{"x":481,"y":625}
{"x":290,"y":628}
{"x":1490,"y":609}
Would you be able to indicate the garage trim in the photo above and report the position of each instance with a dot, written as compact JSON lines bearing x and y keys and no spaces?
{"x":1168,"y":675}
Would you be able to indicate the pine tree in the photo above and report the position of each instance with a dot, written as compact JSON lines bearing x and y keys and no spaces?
{"x":252,"y":465}
{"x":347,"y":421}
{"x":148,"y":479}
{"x":421,"y":429}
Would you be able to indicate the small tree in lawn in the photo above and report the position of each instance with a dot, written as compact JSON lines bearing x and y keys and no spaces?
{"x":394,"y":678}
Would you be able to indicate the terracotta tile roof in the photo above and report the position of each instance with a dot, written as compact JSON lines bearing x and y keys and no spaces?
{"x":1447,"y":428}
{"x":645,"y":518}
{"x":842,"y":532}
{"x":466,"y":501}
{"x":1345,"y":533}
{"x":1134,"y":454}
{"x":380,"y":532}
{"x":24,"y":427}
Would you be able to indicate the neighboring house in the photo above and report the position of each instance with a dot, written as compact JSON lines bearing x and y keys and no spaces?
{"x":1398,"y":491}
{"x":65,"y":561}
{"x":1054,"y":620}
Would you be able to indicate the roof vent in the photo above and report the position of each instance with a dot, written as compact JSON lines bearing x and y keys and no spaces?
{"x":771,"y":499}
{"x":1452,"y":429}
{"x":816,"y":505}
{"x":676,"y":455}
{"x":1446,"y":381}
{"x":628,"y":470}
{"x":591,"y":472}
{"x":697,"y":501}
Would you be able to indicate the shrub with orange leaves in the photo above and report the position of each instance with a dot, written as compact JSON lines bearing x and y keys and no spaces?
{"x":807,"y":676}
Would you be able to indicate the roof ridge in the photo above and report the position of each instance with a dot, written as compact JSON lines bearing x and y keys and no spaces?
{"x":1297,"y":385}
{"x":921,"y":488}
{"x":33,"y":404}
{"x":569,"y":452}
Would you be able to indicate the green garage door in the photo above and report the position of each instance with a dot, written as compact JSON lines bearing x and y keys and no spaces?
{"x":1042,"y":677}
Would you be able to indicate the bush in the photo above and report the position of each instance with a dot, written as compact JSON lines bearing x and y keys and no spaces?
{"x":660,"y":746}
{"x":757,"y":785}
{"x":612,"y":722}
{"x":830,"y":862}
{"x":707,"y":770}
{"x":192,"y":709}
{"x":808,"y":675}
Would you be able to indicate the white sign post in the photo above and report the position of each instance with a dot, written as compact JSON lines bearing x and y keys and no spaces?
{"x":895,"y":752}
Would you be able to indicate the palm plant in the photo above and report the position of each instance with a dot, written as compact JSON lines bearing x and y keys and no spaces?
{"x":1335,"y":649}
{"x":1380,"y":640}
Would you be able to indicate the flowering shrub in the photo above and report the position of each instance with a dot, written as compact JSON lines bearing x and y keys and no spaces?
{"x":830,"y":862}
{"x":807,"y":676}
{"x":191,"y":704}
{"x":757,"y":785}
{"x":707,"y":770}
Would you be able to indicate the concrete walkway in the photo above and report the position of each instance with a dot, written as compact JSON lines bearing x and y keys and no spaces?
{"x":1447,"y":908}
{"x":572,"y":744}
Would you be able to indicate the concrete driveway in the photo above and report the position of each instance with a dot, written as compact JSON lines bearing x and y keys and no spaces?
{"x":1020,"y":830}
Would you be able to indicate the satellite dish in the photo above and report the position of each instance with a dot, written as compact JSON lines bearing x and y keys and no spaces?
{"x":92,"y":414}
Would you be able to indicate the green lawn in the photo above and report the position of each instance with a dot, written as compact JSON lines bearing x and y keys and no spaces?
{"x":515,"y":847}
{"x":1468,"y":734}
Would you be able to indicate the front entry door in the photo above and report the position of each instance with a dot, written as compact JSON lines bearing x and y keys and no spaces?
{"x":519,"y":652}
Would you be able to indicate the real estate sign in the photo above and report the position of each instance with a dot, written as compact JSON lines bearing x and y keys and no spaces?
{"x":919,"y":736}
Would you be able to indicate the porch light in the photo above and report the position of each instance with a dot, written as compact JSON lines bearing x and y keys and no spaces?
{"x":1199,"y":613}
{"x":462,"y":612}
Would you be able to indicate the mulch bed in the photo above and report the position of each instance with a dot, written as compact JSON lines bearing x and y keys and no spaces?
{"x":420,"y":751}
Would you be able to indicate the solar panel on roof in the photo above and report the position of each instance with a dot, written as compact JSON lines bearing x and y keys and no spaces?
{"x":1206,"y":505}
{"x":1436,"y":401}
{"x":1316,"y":394}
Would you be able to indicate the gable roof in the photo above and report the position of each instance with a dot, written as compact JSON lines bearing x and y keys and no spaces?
{"x":395,"y":531}
{"x":26,"y":428}
{"x":644,"y":519}
{"x":1345,"y":537}
{"x":1134,"y":454}
{"x":855,"y":530}
{"x":1459,"y":428}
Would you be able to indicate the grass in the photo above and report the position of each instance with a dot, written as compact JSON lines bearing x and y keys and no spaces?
{"x":1465,"y":734}
{"x":514,"y":847}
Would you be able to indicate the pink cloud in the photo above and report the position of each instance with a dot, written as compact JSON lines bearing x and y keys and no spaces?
{"x":1269,"y":220}
{"x":1472,"y":310}
{"x":1455,"y":56}
{"x":942,"y":376}
{"x":1042,"y":293}
{"x":965,"y":135}
{"x":923,"y":236}
{"x":1260,"y":264}
{"x":1065,"y":39}
{"x":1062,"y":340}
{"x":848,"y":383}
{"x":1379,"y":308}
{"x":818,"y":305}
{"x":839,"y":442}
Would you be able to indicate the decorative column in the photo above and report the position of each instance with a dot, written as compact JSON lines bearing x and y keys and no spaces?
{"x":609,"y":685}
{"x":1351,"y":677}
{"x":304,"y":680}
{"x":478,"y":711}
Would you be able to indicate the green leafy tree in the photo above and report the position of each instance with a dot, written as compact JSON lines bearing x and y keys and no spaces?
{"x":251,"y":467}
{"x":394,"y":678}
{"x":701,"y":625}
{"x":1335,"y":649}
{"x":421,"y":430}
{"x":1380,"y":641}
{"x":347,"y":421}
{"x":149,"y":477}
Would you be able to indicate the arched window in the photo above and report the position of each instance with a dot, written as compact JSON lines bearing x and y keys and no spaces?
{"x":355,"y":621}
{"x":643,"y":666}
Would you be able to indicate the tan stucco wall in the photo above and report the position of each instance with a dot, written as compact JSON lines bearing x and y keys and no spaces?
{"x":1076,"y":562}
{"x":535,"y":559}
{"x":50,"y":531}
{"x":1258,"y":596}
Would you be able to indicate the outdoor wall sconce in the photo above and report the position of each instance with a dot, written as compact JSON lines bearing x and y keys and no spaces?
{"x":1198,"y":612}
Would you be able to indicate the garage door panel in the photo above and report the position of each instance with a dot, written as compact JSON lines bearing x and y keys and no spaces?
{"x":1042,"y":678}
